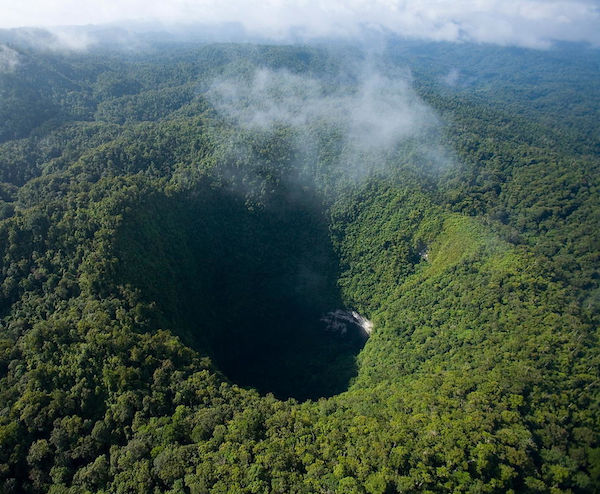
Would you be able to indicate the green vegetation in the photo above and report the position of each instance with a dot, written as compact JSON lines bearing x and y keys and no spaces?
{"x":163,"y":272}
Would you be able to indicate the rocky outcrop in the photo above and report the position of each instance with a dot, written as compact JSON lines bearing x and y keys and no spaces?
{"x":342,"y":321}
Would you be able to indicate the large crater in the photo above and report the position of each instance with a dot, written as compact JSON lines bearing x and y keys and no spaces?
{"x":247,"y":285}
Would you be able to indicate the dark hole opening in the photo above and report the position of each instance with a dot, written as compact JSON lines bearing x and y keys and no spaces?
{"x":248,"y":286}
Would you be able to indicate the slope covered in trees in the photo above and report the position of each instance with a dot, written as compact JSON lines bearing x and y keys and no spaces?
{"x":165,"y":263}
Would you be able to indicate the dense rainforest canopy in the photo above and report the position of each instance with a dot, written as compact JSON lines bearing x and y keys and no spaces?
{"x":175,"y":222}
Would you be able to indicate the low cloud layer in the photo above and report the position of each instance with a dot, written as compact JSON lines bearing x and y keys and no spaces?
{"x":372,"y":118}
{"x":531,"y":23}
{"x":9,"y":59}
{"x":55,"y":39}
{"x":374,"y":113}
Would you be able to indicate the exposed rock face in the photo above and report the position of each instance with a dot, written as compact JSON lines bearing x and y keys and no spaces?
{"x":342,"y":321}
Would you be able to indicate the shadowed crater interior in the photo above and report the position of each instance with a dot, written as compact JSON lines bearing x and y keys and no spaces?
{"x":247,"y":285}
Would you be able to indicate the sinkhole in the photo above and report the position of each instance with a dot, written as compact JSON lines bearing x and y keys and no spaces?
{"x":254,"y":287}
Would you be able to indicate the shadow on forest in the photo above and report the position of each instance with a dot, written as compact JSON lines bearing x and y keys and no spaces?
{"x":247,"y":286}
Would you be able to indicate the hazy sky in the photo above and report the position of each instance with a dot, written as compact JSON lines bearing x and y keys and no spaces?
{"x":531,"y":23}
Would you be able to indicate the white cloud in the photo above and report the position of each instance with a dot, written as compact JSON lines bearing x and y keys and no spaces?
{"x":9,"y":59}
{"x":378,"y":113}
{"x":533,"y":23}
{"x":451,"y":78}
{"x":371,"y":119}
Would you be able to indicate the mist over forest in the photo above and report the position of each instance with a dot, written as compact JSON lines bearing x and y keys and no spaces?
{"x":352,"y":254}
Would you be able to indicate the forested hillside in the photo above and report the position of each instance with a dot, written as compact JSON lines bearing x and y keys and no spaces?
{"x":176,"y":221}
